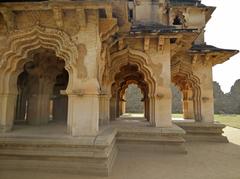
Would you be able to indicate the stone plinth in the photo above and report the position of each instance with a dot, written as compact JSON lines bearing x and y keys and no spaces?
{"x":52,"y":150}
{"x":199,"y":131}
{"x":93,"y":155}
{"x":168,"y":139}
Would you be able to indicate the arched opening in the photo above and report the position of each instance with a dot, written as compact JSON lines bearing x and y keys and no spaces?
{"x":23,"y":45}
{"x":189,"y":85}
{"x":189,"y":92}
{"x":39,"y":86}
{"x":177,"y":108}
{"x":133,"y":98}
{"x":128,"y":75}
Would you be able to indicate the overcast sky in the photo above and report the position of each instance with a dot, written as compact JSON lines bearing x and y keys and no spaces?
{"x":223,"y":30}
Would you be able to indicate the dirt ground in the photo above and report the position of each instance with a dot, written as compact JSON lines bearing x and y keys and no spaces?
{"x":203,"y":161}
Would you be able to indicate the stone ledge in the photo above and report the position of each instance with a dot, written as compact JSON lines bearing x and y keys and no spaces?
{"x":92,"y":155}
{"x":152,"y":139}
{"x":197,"y":131}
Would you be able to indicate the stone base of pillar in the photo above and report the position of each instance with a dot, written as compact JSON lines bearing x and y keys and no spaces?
{"x":83,"y":115}
{"x":4,"y":129}
{"x":163,"y":115}
{"x":7,"y":111}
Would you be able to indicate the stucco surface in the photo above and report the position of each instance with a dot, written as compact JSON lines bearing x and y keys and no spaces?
{"x":204,"y":160}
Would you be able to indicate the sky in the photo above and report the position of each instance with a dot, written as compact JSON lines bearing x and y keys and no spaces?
{"x":223,"y":30}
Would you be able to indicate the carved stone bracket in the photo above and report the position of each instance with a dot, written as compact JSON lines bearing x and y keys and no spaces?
{"x":58,"y":16}
{"x":8,"y":16}
{"x":146,"y":43}
{"x":194,"y":59}
{"x":161,"y":44}
{"x":120,"y":44}
{"x":109,"y":12}
{"x":82,"y":17}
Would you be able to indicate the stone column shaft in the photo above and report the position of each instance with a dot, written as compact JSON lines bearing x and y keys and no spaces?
{"x":38,"y":109}
{"x":104,"y":113}
{"x":188,"y":111}
{"x":83,"y":115}
{"x":7,"y":111}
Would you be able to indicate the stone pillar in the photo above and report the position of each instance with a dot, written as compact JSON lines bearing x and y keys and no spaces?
{"x":163,"y":108}
{"x":113,"y":109}
{"x":38,"y":109}
{"x":83,"y":114}
{"x":7,"y":111}
{"x":60,"y":104}
{"x":121,"y":107}
{"x":204,"y":73}
{"x":21,"y":107}
{"x":161,"y":102}
{"x":188,"y":111}
{"x":146,"y":108}
{"x":104,"y":113}
{"x":117,"y":107}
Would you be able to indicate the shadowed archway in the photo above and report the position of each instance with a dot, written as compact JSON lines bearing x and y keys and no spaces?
{"x":21,"y":45}
{"x":129,"y":74}
{"x":39,"y":99}
{"x":188,"y":84}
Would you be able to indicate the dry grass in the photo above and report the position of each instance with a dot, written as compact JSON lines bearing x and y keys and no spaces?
{"x":232,"y":120}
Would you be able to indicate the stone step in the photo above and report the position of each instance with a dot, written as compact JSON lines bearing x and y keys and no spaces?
{"x":149,"y":139}
{"x":207,"y":132}
{"x":91,"y":155}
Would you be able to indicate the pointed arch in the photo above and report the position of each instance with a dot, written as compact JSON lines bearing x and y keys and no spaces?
{"x":19,"y":45}
{"x":21,"y":42}
{"x":183,"y":77}
{"x":136,"y":57}
{"x":138,"y":68}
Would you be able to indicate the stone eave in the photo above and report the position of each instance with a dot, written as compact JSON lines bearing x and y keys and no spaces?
{"x":208,"y":14}
{"x":186,"y":4}
{"x":201,"y":6}
{"x":172,"y":35}
{"x":217,"y":56}
{"x":169,"y":32}
{"x":108,"y":27}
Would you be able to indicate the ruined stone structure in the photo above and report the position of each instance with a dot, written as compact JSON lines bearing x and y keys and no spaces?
{"x":67,"y":64}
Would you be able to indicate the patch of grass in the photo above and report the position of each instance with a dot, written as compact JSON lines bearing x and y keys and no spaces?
{"x":232,"y":120}
{"x":228,"y":119}
{"x":177,"y":115}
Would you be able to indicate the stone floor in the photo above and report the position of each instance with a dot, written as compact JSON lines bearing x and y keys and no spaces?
{"x":204,"y":160}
